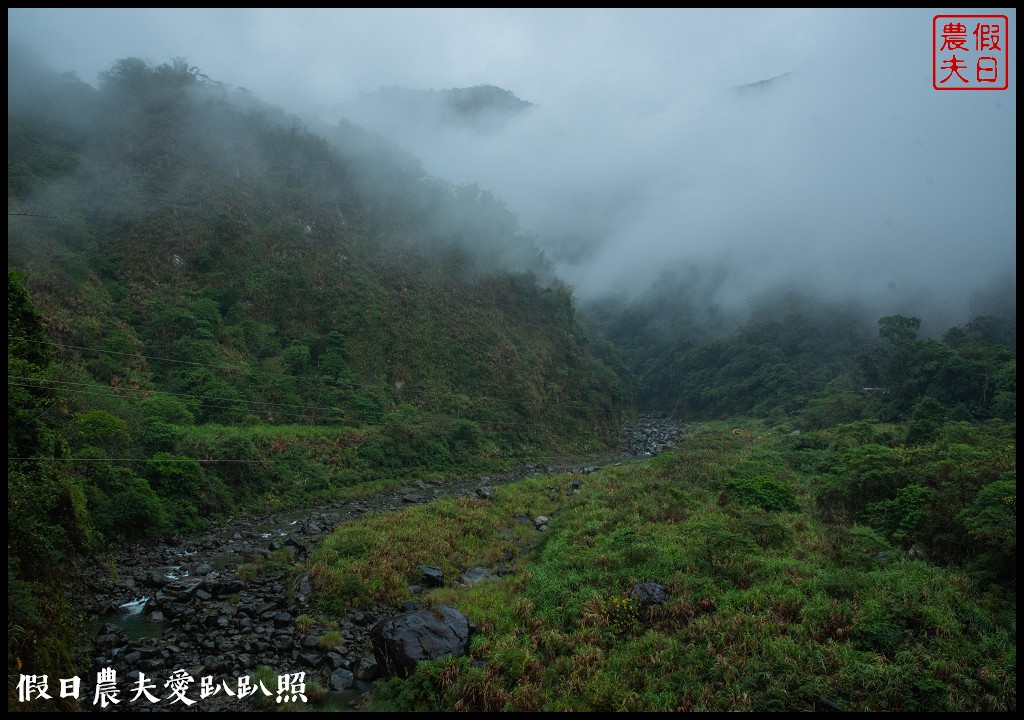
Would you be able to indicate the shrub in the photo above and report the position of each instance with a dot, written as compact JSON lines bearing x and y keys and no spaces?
{"x":763,"y":492}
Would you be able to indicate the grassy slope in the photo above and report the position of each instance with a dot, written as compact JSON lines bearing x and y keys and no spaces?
{"x":770,"y":609}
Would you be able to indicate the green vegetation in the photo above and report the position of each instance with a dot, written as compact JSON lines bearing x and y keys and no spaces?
{"x":47,"y":519}
{"x":214,"y":310}
{"x":774,"y":605}
{"x":211,"y":262}
{"x":245,"y":315}
{"x":795,"y":355}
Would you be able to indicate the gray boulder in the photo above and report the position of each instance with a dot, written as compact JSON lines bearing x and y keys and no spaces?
{"x":432,"y":575}
{"x":341,"y":679}
{"x":649,"y":593}
{"x":401,"y":641}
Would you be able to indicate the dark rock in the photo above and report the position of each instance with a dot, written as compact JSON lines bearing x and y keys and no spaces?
{"x":157,"y":580}
{"x":433,"y":576}
{"x":305,"y":587}
{"x":183,"y":589}
{"x":150,"y":651}
{"x":211,"y":664}
{"x":412,"y":498}
{"x":334,"y":660}
{"x":650,"y":593}
{"x":827,"y":705}
{"x":228,"y":587}
{"x":401,"y":641}
{"x":341,"y":679}
{"x":267,"y":607}
{"x":484,"y":492}
{"x":366,"y":669}
{"x":178,"y":610}
{"x":283,"y":642}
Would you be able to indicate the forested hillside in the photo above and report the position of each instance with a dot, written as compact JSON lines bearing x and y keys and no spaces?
{"x":215,"y":310}
{"x":795,"y":353}
{"x":215,"y":307}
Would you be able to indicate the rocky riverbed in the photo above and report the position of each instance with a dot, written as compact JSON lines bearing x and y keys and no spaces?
{"x":216,"y":606}
{"x":651,"y":435}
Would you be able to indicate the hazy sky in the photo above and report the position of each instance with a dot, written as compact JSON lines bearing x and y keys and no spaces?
{"x":851,"y":175}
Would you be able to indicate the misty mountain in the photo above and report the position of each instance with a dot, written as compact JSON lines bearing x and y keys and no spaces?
{"x":784,"y":182}
{"x":764,"y":85}
{"x":165,"y":214}
{"x":432,"y":334}
{"x":398,"y":112}
{"x":214,"y":307}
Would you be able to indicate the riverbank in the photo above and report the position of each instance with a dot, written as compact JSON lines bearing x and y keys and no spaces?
{"x":236,"y":600}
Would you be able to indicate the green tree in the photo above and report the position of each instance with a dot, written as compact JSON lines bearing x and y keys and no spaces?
{"x":991,"y":522}
{"x":899,"y":330}
{"x":47,"y":516}
{"x":927,"y":419}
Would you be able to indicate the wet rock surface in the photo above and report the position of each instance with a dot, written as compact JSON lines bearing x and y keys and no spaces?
{"x":209,"y":606}
{"x":653,"y":434}
{"x":650,"y":593}
{"x":403,"y":640}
